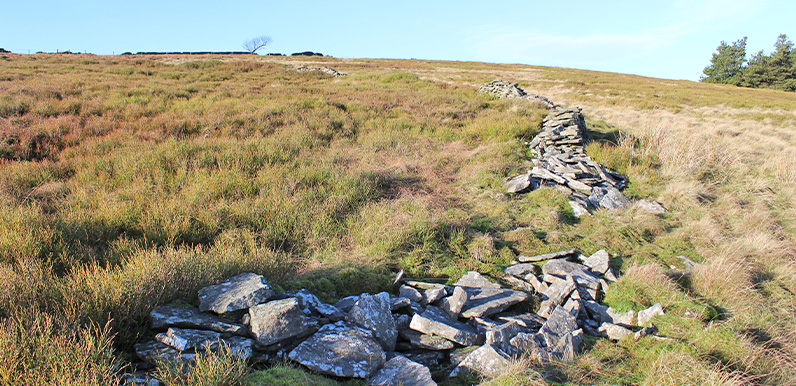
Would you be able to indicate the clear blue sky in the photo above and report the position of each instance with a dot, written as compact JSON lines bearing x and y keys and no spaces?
{"x":667,"y":39}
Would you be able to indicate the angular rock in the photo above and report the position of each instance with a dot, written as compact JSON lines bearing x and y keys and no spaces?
{"x":555,"y":296}
{"x":644,"y":316}
{"x":537,"y":284}
{"x":560,"y":323}
{"x":574,"y":307}
{"x":588,"y":285}
{"x":547,"y":256}
{"x":425,"y":341}
{"x":607,"y":314}
{"x":373,"y":313}
{"x":520,"y":270}
{"x":653,"y":207}
{"x":433,"y":295}
{"x":614,"y":332}
{"x":329,"y":311}
{"x":560,"y":267}
{"x":488,"y":301}
{"x":400,"y":371}
{"x":434,"y":321}
{"x":155,"y":352}
{"x":307,"y":301}
{"x":236,"y":293}
{"x":519,"y":284}
{"x":609,"y":276}
{"x":410,"y":293}
{"x":608,"y":198}
{"x":501,"y":335}
{"x":428,"y":358}
{"x":190,"y":317}
{"x":186,"y":339}
{"x":598,"y":262}
{"x":341,"y":350}
{"x":474,"y":280}
{"x":518,"y":184}
{"x":279,"y":320}
{"x":398,"y":303}
{"x":578,"y":209}
{"x":567,"y":346}
{"x":644,"y":332}
{"x":345,"y":304}
{"x":525,"y":344}
{"x":452,"y":305}
{"x":527,"y":322}
{"x":402,"y":321}
{"x":485,"y":360}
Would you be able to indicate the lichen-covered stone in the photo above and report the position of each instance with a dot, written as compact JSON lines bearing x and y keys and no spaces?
{"x":278,"y":320}
{"x":341,"y":350}
{"x":373,"y":313}
{"x":434,"y":321}
{"x":473,"y":279}
{"x":452,"y":305}
{"x":190,"y":317}
{"x":484,"y":302}
{"x":236,"y":293}
{"x":400,"y":371}
{"x":486,"y":360}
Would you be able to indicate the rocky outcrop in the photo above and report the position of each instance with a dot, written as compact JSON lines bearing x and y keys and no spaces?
{"x":324,"y":69}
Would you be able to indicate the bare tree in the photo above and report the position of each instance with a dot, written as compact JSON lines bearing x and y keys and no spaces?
{"x":255,"y":44}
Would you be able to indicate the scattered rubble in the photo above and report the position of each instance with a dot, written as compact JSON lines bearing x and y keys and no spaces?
{"x":324,"y":69}
{"x":475,"y":325}
{"x":502,"y":89}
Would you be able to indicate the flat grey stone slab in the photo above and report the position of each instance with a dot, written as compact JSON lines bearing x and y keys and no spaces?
{"x":518,"y":183}
{"x":329,"y":311}
{"x":341,"y":350}
{"x":373,"y":313}
{"x":345,"y":304}
{"x":434,"y":295}
{"x":474,"y":279}
{"x":486,"y":360}
{"x":644,"y":316}
{"x":602,"y":314}
{"x":190,"y":317}
{"x":519,"y":284}
{"x":410,"y":293}
{"x":279,"y":320}
{"x":560,"y":267}
{"x":425,"y":341}
{"x":154,"y":352}
{"x":520,"y":270}
{"x":398,"y":303}
{"x":555,"y":296}
{"x":548,"y":256}
{"x":613,"y":331}
{"x":400,"y":371}
{"x":489,"y":301}
{"x":434,"y":321}
{"x":527,"y":321}
{"x":236,"y":293}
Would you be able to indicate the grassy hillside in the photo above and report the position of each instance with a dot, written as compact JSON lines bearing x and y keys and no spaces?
{"x":128,"y":182}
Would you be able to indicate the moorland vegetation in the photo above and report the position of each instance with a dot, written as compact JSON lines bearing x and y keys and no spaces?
{"x":128,"y":182}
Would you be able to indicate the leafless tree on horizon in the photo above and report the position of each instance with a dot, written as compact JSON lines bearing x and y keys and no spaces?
{"x":252,"y":45}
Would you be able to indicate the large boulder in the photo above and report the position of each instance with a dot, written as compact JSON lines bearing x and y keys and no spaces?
{"x":278,"y":320}
{"x":341,"y":350}
{"x":236,"y":293}
{"x":373,"y":313}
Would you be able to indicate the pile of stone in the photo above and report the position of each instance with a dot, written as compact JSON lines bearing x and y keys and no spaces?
{"x":561,"y":160}
{"x":325,"y":70}
{"x":502,"y":89}
{"x":429,"y":331}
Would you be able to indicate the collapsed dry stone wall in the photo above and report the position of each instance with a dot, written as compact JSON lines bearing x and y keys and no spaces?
{"x":561,"y":161}
{"x":325,"y":70}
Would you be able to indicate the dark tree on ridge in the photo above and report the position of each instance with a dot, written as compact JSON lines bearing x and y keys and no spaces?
{"x":727,"y":64}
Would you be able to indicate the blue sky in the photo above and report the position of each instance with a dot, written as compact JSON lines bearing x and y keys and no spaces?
{"x":672,"y":39}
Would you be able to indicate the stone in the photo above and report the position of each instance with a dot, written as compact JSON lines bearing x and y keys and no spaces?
{"x":518,"y":184}
{"x":644,"y":332}
{"x":410,"y":293}
{"x":482,"y":325}
{"x":139,"y":378}
{"x":236,"y":293}
{"x":474,"y":280}
{"x":425,"y":341}
{"x":401,"y":321}
{"x":609,"y":276}
{"x":608,"y":198}
{"x":560,"y":267}
{"x":607,"y":314}
{"x":433,"y":295}
{"x":501,"y":335}
{"x":574,"y":307}
{"x":373,"y":313}
{"x":519,"y":284}
{"x":488,"y":301}
{"x":644,"y":316}
{"x":458,"y":355}
{"x":578,"y":209}
{"x":567,"y":346}
{"x":329,"y":311}
{"x":155,"y":352}
{"x":547,"y":256}
{"x":421,"y":285}
{"x":588,"y":285}
{"x":614,"y":332}
{"x":552,"y":279}
{"x":560,"y":323}
{"x":434,"y":321}
{"x":537,"y":284}
{"x":186,"y":339}
{"x":598,"y":262}
{"x":398,"y":303}
{"x":525,"y":344}
{"x":189,"y":317}
{"x":452,"y":305}
{"x":527,"y":321}
{"x":279,"y":320}
{"x":520,"y":270}
{"x":653,"y":207}
{"x":555,"y":296}
{"x":486,"y":360}
{"x":341,"y":350}
{"x":345,"y":304}
{"x":400,"y":371}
